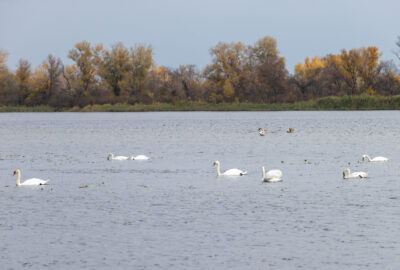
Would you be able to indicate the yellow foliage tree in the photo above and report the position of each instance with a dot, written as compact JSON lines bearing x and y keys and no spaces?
{"x":229,"y":91}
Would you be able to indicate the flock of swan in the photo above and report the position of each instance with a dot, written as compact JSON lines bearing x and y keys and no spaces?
{"x":276,"y":175}
{"x":271,"y":176}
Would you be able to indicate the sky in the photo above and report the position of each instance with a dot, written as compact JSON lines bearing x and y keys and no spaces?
{"x":183,"y":31}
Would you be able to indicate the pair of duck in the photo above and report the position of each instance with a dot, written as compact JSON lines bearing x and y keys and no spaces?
{"x":348,"y":175}
{"x":270,"y":176}
{"x":262,"y":131}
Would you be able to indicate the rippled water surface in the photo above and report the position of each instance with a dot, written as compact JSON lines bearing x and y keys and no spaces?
{"x":172,"y":212}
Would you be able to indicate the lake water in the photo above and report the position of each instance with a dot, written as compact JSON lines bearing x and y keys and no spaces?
{"x":172,"y":212}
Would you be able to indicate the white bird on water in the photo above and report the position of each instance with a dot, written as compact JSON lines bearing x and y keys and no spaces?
{"x":230,"y":172}
{"x":375,"y":159}
{"x":112,"y":157}
{"x":348,"y":175}
{"x":140,"y":157}
{"x":272,"y":175}
{"x":28,"y":182}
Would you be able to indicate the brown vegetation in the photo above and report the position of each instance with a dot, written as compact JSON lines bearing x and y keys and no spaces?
{"x":238,"y":73}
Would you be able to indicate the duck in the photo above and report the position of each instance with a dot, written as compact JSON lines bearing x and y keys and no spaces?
{"x":112,"y":157}
{"x":230,"y":172}
{"x":271,"y":176}
{"x":262,"y":131}
{"x":28,"y":182}
{"x":140,"y":157}
{"x":290,"y":130}
{"x":348,"y":175}
{"x":375,"y":159}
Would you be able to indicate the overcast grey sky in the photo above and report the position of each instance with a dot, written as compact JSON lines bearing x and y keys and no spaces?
{"x":183,"y":31}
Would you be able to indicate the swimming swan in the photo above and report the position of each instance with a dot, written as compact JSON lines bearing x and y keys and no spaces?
{"x":262,"y":131}
{"x":111,"y":157}
{"x":29,"y":182}
{"x":290,"y":130}
{"x":375,"y":159}
{"x":347,"y":174}
{"x":140,"y":157}
{"x":272,"y":175}
{"x":231,"y":172}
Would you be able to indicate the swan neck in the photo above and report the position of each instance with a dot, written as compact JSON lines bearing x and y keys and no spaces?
{"x":18,"y":178}
{"x":218,"y":169}
{"x":368,"y":157}
{"x":263,"y":172}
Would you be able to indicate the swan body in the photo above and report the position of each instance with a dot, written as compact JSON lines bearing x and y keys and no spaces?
{"x":272,"y":175}
{"x":348,"y":175}
{"x":262,"y":131}
{"x":375,"y":159}
{"x":231,"y":172}
{"x":290,"y":130}
{"x":112,"y":157}
{"x":28,"y":182}
{"x":140,"y":157}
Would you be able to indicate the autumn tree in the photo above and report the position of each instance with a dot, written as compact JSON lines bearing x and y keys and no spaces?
{"x":8,"y":88}
{"x":269,"y":70}
{"x":54,"y":69}
{"x":135,"y":83}
{"x":352,"y":72}
{"x":23,"y":74}
{"x":113,"y":65}
{"x":228,"y":63}
{"x":308,"y":76}
{"x":84,"y":57}
{"x":38,"y":84}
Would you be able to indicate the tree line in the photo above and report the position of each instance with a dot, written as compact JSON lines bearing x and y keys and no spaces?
{"x":237,"y":73}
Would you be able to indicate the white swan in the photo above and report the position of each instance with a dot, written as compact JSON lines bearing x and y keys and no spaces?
{"x":347,"y":174}
{"x":140,"y":157}
{"x":29,"y":182}
{"x":231,"y":172}
{"x":290,"y":130}
{"x":262,"y":131}
{"x":272,"y":175}
{"x":111,"y":157}
{"x":375,"y":159}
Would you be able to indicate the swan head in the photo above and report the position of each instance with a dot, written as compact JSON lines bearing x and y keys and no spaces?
{"x":216,"y":163}
{"x":110,"y":156}
{"x":346,"y":172}
{"x":364,"y":157}
{"x":16,"y":171}
{"x":260,"y":129}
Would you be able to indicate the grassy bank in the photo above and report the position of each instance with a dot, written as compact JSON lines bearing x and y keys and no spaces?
{"x":41,"y":108}
{"x":363,"y":102}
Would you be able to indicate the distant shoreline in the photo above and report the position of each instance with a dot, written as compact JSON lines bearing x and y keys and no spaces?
{"x":362,"y":102}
